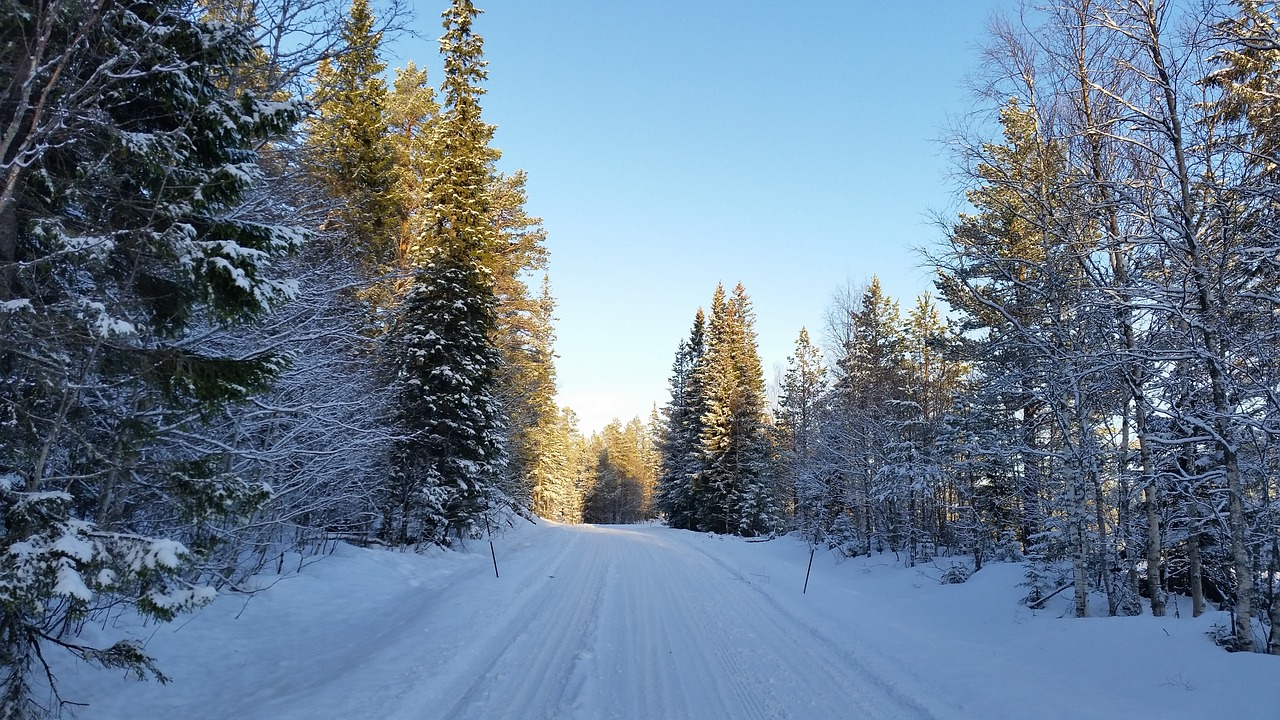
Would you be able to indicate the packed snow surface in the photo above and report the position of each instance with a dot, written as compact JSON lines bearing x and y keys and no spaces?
{"x":645,"y":622}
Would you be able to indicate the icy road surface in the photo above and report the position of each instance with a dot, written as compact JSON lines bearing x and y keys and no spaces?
{"x":644,"y":622}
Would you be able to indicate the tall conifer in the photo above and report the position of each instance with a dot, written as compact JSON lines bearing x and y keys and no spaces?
{"x":799,"y":420}
{"x":734,"y":490}
{"x":448,"y":468}
{"x":678,"y":446}
{"x":348,"y":140}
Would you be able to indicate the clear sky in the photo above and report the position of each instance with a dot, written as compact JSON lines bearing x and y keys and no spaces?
{"x":673,"y":144}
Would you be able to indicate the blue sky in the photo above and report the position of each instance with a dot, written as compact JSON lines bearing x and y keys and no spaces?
{"x":672,"y":144}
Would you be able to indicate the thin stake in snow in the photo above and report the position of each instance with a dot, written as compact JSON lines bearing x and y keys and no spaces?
{"x":812,"y":549}
{"x":492,"y":554}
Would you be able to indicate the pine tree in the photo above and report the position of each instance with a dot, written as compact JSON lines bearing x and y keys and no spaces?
{"x":865,"y":401}
{"x":539,"y":404}
{"x":447,"y":471}
{"x":350,"y":151}
{"x":411,"y":114}
{"x":524,"y":333}
{"x":122,"y":234}
{"x":624,"y":475}
{"x":992,"y":276}
{"x":804,"y":389}
{"x":460,"y":209}
{"x":678,"y":445}
{"x":913,"y":466}
{"x":734,"y":491}
{"x":551,"y":473}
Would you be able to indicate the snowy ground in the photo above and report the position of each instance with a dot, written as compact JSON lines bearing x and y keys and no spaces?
{"x":645,"y":622}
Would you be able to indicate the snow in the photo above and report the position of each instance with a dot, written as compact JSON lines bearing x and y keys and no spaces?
{"x":647,"y":622}
{"x":159,"y":553}
{"x":70,"y":584}
{"x":102,"y":325}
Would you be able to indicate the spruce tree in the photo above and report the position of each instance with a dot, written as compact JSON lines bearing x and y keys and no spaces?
{"x":734,"y":491}
{"x":448,"y":468}
{"x":678,"y":446}
{"x":349,"y":148}
{"x":445,"y":473}
{"x":527,"y":385}
{"x":799,"y":417}
{"x":865,"y":401}
{"x":122,"y":238}
{"x":459,"y":206}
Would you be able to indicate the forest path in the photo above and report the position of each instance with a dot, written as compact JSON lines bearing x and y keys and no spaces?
{"x":644,"y":622}
{"x":624,"y":622}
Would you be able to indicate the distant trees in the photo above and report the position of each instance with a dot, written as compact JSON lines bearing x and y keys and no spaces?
{"x":716,"y":447}
{"x":625,"y":470}
{"x":860,"y":453}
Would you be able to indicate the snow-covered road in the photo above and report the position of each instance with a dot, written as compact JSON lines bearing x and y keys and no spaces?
{"x":632,"y":623}
{"x":645,"y":622}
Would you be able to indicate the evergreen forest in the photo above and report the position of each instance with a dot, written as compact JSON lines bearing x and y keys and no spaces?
{"x":260,"y":292}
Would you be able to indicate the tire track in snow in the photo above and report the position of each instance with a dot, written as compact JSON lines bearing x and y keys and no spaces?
{"x":635,"y":625}
{"x":526,"y":667}
{"x":740,"y":655}
{"x":744,"y":673}
{"x":850,"y":671}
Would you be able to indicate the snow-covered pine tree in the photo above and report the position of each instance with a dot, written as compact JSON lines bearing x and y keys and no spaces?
{"x":868,"y":385}
{"x":445,"y":472}
{"x":678,"y":446}
{"x":121,"y":231}
{"x":734,"y":491}
{"x":913,"y":466}
{"x":799,"y":413}
{"x":447,"y":469}
{"x":760,"y":509}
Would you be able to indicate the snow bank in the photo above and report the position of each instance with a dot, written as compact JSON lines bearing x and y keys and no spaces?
{"x":613,"y":618}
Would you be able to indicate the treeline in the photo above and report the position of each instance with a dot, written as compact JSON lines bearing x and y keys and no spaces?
{"x":1102,"y":399}
{"x":609,"y":477}
{"x":253,"y":298}
{"x":1115,"y":291}
{"x":837,"y":456}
